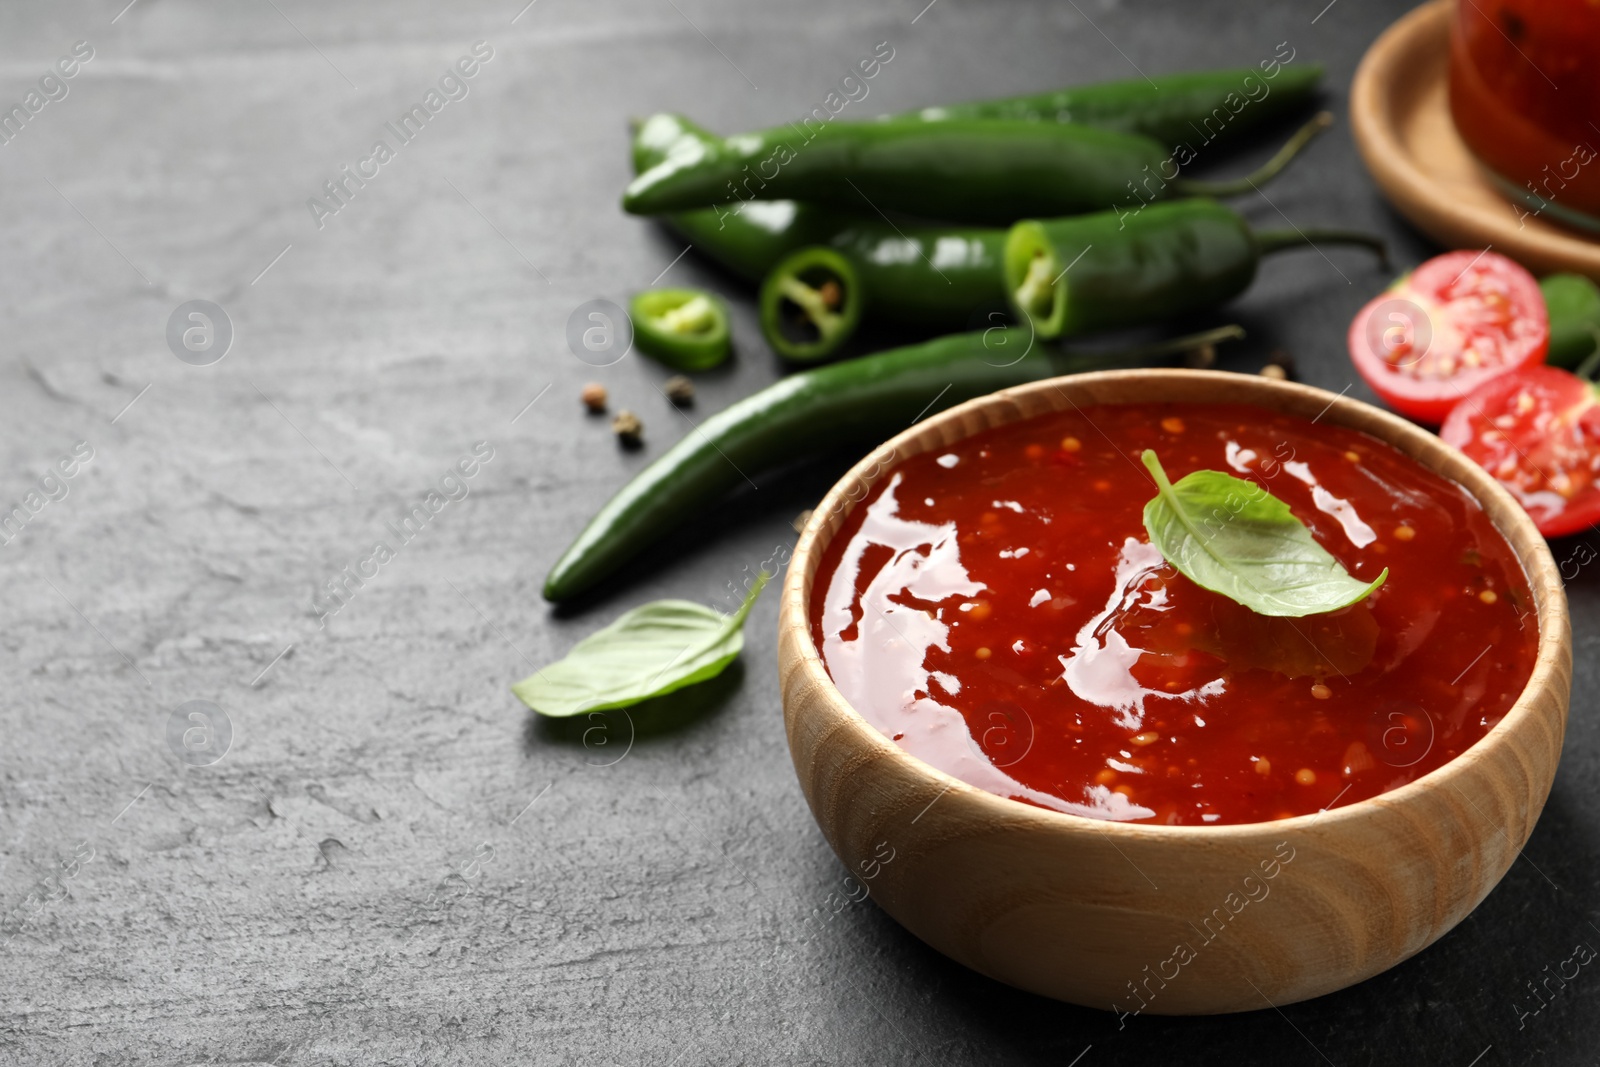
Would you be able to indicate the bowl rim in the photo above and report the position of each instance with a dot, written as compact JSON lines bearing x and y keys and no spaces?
{"x":1520,"y":534}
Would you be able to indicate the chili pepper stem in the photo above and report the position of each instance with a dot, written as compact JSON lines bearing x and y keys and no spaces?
{"x":1265,"y":173}
{"x":1270,"y":241}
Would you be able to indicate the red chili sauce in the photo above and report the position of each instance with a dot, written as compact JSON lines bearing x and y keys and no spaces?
{"x":996,"y":608}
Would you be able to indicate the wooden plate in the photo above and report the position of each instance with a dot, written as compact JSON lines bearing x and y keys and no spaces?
{"x":1400,"y":114}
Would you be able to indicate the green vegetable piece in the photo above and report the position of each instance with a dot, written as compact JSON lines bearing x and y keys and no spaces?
{"x":813,"y":412}
{"x":929,"y":277}
{"x":652,"y":650}
{"x":962,"y":170}
{"x":683,"y":328}
{"x":1573,"y":302}
{"x":1235,"y":538}
{"x":1119,"y":268}
{"x":1174,"y":109}
{"x":810,"y":304}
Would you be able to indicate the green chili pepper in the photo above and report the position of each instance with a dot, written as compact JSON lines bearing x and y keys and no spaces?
{"x":683,"y":328}
{"x":1574,"y":306}
{"x":1094,"y":272}
{"x":972,"y":170}
{"x":946,"y":278}
{"x":747,"y":240}
{"x":1194,"y":109}
{"x":934,"y":279}
{"x":810,"y":303}
{"x":808,"y":413}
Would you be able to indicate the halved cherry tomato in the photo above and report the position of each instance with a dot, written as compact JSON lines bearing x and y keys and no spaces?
{"x":1537,"y":430}
{"x":1452,"y":324}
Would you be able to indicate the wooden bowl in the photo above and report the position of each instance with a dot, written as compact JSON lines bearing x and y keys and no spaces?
{"x":1098,"y":913}
{"x":1400,"y":116}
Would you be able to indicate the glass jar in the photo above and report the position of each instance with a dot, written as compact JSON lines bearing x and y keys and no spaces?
{"x":1525,"y":96}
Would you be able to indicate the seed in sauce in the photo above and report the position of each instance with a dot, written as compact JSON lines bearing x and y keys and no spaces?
{"x":1357,"y":759}
{"x":1321,"y":692}
{"x":1172,"y":424}
{"x":1306,"y":776}
{"x":1070,"y":444}
{"x":1488,"y":596}
{"x":983,"y":653}
{"x":1263,"y":767}
{"x":1404,"y":532}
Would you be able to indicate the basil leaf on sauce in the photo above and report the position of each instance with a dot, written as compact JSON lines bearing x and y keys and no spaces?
{"x":1235,"y":538}
{"x":650,"y":651}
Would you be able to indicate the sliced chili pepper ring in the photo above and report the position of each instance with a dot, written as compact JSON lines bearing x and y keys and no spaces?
{"x":684,"y":328}
{"x":810,"y":304}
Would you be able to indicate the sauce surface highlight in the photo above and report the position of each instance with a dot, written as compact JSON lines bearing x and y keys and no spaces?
{"x":997,"y":610}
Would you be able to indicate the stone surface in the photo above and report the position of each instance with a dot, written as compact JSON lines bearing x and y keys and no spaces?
{"x":392,"y":863}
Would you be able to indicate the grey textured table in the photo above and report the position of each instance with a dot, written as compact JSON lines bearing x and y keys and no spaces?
{"x":392,"y":862}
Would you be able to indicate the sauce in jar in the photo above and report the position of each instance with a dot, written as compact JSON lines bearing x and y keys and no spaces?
{"x":1525,"y":96}
{"x":997,"y":610}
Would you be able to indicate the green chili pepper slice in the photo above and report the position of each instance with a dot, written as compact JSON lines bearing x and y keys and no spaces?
{"x":810,"y":304}
{"x":1102,"y":271}
{"x":684,"y":328}
{"x":1573,"y":302}
{"x":809,"y":413}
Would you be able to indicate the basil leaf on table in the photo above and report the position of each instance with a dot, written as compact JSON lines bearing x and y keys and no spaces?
{"x":1235,"y":538}
{"x":650,"y":651}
